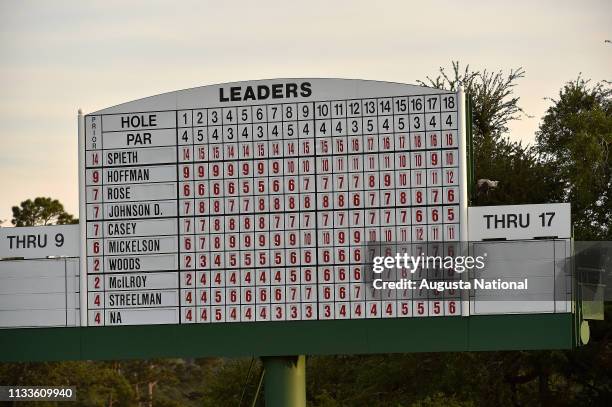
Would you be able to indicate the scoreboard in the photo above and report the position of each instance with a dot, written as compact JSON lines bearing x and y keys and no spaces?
{"x":259,"y":201}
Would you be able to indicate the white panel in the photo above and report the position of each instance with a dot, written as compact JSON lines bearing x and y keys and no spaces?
{"x":537,"y":262}
{"x":149,"y":281}
{"x":36,"y":293}
{"x":519,"y":221}
{"x":136,"y":228}
{"x":140,"y":156}
{"x":512,"y":307}
{"x":27,"y":318}
{"x":139,"y":263}
{"x":138,"y":175}
{"x":137,"y":192}
{"x":141,"y":299}
{"x":142,"y":316}
{"x":34,"y":301}
{"x":138,"y":138}
{"x":144,"y":245}
{"x":136,"y":210}
{"x":18,"y":286}
{"x":146,"y":121}
{"x":40,"y":241}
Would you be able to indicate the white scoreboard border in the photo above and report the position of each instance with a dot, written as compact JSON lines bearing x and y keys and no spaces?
{"x":463,"y":191}
{"x":84,"y":306}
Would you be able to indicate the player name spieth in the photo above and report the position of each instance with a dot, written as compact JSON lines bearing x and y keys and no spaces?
{"x":255,"y":201}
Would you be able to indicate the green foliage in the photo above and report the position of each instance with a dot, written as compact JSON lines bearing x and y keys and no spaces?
{"x":575,"y":137}
{"x":41,"y":211}
{"x":523,"y":177}
{"x":492,"y":93}
{"x":226,"y":381}
{"x":398,"y":379}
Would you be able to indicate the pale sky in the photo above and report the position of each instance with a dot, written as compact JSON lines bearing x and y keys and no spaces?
{"x":57,"y":56}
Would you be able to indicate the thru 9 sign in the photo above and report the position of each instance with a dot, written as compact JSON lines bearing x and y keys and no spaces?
{"x":255,"y":201}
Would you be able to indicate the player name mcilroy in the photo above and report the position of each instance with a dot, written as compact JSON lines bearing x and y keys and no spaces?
{"x":126,"y":282}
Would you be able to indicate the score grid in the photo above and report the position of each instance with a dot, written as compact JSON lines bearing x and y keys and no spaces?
{"x":264,"y":211}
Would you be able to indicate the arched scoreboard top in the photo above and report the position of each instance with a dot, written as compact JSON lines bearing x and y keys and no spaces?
{"x":267,"y":91}
{"x":256,"y":201}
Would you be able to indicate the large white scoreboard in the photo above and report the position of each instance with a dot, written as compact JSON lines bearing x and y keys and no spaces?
{"x":256,"y":201}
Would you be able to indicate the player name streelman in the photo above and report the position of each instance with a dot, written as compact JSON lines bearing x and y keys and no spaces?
{"x":263,"y":92}
{"x":134,"y":299}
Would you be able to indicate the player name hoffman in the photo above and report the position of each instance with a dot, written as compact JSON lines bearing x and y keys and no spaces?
{"x":128,"y":175}
{"x":477,"y":284}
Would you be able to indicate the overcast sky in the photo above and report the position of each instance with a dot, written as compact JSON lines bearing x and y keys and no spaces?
{"x":57,"y":56}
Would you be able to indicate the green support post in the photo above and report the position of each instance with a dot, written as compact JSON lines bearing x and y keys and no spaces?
{"x":285,"y":381}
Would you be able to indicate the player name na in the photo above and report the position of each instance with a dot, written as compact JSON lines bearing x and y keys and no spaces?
{"x":475,"y":284}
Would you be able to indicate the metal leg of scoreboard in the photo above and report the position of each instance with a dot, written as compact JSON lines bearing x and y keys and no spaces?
{"x":285,"y":381}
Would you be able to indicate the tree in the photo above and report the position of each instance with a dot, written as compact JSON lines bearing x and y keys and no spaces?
{"x":41,"y":211}
{"x":575,"y":137}
{"x":495,"y":104}
{"x":523,"y":177}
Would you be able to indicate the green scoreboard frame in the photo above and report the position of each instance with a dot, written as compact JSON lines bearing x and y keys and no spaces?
{"x":439,"y":334}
